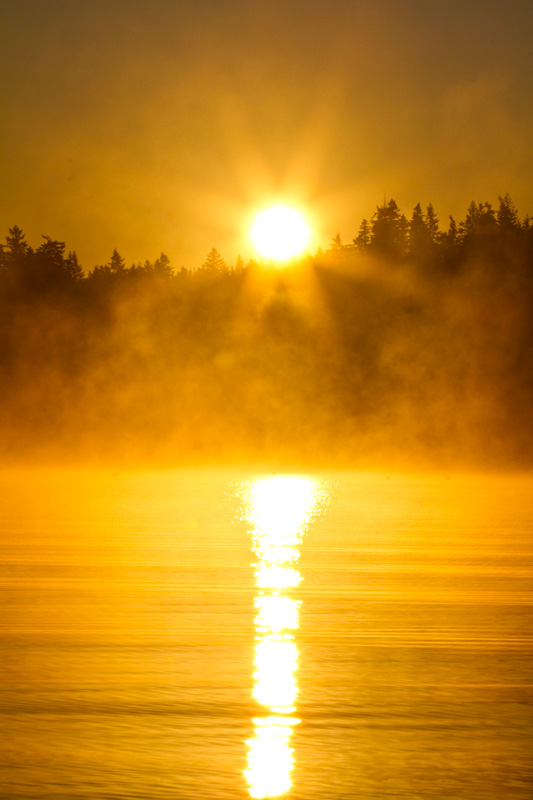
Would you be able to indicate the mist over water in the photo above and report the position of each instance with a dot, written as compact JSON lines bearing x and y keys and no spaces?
{"x":409,"y":347}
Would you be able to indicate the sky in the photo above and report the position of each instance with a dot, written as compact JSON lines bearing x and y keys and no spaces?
{"x":164,"y":125}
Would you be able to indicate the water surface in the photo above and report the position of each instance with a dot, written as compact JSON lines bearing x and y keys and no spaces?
{"x":211,"y":634}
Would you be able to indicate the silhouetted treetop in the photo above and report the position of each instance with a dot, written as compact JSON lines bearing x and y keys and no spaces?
{"x":390,"y":230}
{"x":363,"y":239}
{"x":116,"y":264}
{"x":214,"y":262}
{"x":162,"y":266}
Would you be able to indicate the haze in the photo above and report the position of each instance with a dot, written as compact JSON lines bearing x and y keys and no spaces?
{"x":163,"y":125}
{"x":265,"y":500}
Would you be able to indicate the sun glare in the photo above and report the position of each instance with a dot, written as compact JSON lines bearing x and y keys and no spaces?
{"x":280,"y":232}
{"x":279,"y":510}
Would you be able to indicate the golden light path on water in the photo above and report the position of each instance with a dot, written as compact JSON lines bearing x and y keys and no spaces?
{"x":278,"y":509}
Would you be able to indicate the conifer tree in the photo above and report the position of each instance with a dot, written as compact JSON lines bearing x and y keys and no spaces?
{"x":73,"y":266}
{"x":214,"y":262}
{"x":419,"y":238}
{"x":16,"y":253}
{"x":389,"y":230}
{"x":432,"y":223}
{"x":162,"y":266}
{"x":336,"y":244}
{"x":117,"y":264}
{"x":363,"y":238}
{"x":507,"y":215}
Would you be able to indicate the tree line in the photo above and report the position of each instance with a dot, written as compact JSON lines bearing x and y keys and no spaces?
{"x":485,"y":232}
{"x":49,"y":265}
{"x":409,"y":342}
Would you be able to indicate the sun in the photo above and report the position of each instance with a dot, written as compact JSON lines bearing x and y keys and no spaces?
{"x":280,"y":232}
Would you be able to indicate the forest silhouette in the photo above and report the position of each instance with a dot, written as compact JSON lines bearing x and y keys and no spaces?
{"x":411,"y":344}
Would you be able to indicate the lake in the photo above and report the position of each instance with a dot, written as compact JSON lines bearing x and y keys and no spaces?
{"x":226,"y":634}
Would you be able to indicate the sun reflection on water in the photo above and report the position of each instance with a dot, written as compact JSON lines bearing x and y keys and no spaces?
{"x":278,"y":509}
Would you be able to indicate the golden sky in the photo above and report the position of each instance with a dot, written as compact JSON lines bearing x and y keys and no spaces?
{"x":151,"y":125}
